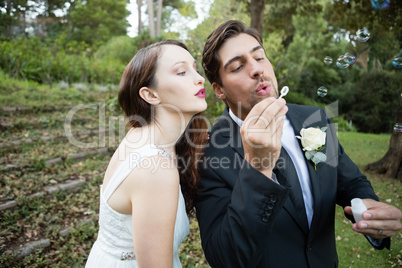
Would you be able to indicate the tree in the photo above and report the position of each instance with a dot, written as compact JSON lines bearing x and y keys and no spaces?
{"x":159,"y":18}
{"x":391,"y":164}
{"x":384,"y":27}
{"x":32,"y":17}
{"x":151,"y":24}
{"x":12,"y":13}
{"x":219,"y":12}
{"x":139,"y":5}
{"x":257,"y":14}
{"x":311,"y":42}
{"x":186,"y":9}
{"x":97,"y":20}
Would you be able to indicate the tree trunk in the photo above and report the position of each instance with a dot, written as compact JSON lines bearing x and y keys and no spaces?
{"x":391,"y":164}
{"x":151,"y":18}
{"x":139,"y":4}
{"x":159,"y":18}
{"x":257,"y":14}
{"x":9,"y":18}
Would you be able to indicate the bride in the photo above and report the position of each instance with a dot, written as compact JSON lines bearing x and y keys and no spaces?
{"x":142,"y":217}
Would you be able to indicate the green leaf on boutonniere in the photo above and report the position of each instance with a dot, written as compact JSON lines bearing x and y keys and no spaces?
{"x":323,"y":129}
{"x":319,"y":157}
{"x":309,"y":154}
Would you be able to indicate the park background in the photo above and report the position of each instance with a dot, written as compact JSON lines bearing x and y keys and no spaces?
{"x":60,"y":66}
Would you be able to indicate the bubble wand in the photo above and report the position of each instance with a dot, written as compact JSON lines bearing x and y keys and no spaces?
{"x":284,"y":92}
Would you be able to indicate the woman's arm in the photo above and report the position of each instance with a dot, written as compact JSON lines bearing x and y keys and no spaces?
{"x":154,"y":197}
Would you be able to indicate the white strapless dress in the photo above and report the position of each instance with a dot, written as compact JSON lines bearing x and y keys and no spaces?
{"x":114,"y":245}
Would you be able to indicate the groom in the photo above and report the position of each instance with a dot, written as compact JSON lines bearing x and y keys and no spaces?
{"x":260,"y":202}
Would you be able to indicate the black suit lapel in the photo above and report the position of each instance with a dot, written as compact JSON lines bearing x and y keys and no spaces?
{"x":230,"y":130}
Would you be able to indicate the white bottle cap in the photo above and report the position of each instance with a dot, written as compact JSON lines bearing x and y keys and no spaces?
{"x":358,"y":208}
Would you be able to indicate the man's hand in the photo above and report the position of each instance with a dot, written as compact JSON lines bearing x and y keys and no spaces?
{"x":261,"y":134}
{"x":380,"y":220}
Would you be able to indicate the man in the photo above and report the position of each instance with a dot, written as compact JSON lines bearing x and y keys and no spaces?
{"x":260,"y":202}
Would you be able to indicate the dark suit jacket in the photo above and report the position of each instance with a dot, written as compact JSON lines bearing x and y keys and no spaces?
{"x":247,"y":220}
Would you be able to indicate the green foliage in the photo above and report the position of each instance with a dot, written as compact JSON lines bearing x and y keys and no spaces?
{"x":342,"y":125}
{"x":273,"y":48}
{"x":98,"y":20}
{"x":31,"y":94}
{"x":305,"y":55}
{"x":373,"y":101}
{"x":300,"y":98}
{"x":185,"y":8}
{"x":219,"y":12}
{"x":120,"y":48}
{"x":215,"y":105}
{"x":52,"y":60}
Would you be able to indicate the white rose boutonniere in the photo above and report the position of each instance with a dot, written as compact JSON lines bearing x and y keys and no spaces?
{"x":313,"y":140}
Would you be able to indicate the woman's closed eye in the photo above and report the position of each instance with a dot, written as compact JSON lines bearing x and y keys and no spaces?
{"x":181,"y":73}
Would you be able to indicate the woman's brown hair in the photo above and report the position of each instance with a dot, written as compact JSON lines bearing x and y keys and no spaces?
{"x":140,"y":72}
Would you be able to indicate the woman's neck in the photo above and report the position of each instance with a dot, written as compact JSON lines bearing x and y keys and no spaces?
{"x":164,"y":130}
{"x":168,"y":128}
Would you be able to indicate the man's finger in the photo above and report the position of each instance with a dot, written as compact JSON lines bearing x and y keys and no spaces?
{"x":257,"y":110}
{"x":271,"y":112}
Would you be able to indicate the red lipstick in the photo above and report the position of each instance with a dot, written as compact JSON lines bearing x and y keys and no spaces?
{"x":201,"y":93}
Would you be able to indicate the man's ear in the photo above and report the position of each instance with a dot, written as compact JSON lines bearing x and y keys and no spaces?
{"x":218,"y":91}
{"x":149,"y":95}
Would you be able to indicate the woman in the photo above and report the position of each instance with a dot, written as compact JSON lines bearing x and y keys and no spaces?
{"x":142,"y":218}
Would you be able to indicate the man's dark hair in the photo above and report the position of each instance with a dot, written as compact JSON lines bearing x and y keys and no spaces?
{"x":210,"y":58}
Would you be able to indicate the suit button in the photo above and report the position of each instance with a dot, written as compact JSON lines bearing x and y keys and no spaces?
{"x":309,"y":247}
{"x":268,"y":212}
{"x":270,"y":205}
{"x":272,"y":198}
{"x":264,"y":219}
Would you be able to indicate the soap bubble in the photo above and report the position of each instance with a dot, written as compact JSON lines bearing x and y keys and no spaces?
{"x":327,"y":60}
{"x":398,"y":127}
{"x":350,"y":58}
{"x":380,"y":4}
{"x":397,"y":62}
{"x":342,"y":62}
{"x":362,"y":35}
{"x":322,"y":91}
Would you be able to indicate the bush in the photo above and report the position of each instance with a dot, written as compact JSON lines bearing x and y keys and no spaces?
{"x":121,"y":49}
{"x":52,"y":60}
{"x":372,"y":102}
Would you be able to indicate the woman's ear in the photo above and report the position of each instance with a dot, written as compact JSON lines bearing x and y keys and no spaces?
{"x":218,"y":91}
{"x":149,"y":95}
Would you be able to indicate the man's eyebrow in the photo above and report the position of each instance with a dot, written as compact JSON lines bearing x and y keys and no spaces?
{"x":231,"y":60}
{"x":256,"y":48}
{"x":239,"y":57}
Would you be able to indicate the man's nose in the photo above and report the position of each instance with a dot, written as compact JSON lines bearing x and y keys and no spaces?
{"x":256,"y":69}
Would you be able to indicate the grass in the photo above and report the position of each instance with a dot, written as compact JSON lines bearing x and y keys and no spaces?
{"x":353,"y":248}
{"x":44,"y":216}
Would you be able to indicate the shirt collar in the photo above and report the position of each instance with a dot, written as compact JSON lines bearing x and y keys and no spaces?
{"x":237,"y":120}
